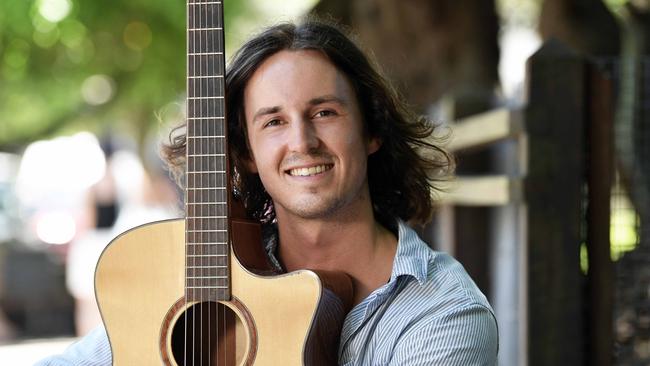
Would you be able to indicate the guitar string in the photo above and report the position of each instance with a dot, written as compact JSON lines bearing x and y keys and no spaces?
{"x":211,"y":73}
{"x":220,"y":19}
{"x":205,"y":163}
{"x":216,"y":38}
{"x":194,"y":178}
{"x":204,"y":131}
{"x":198,"y":104}
{"x":199,"y":107}
{"x":189,"y":146}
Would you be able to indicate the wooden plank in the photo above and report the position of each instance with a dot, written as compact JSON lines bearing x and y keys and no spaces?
{"x":494,"y":190}
{"x":554,"y":122}
{"x":484,"y":129}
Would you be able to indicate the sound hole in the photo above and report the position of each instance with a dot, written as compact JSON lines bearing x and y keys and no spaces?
{"x":206,"y":334}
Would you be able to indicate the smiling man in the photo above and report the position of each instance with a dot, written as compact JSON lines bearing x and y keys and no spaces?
{"x":310,"y":148}
{"x":336,"y":168}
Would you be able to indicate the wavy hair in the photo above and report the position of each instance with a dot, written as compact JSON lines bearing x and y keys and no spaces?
{"x":403,"y":175}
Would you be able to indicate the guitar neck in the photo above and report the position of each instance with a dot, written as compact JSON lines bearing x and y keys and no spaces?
{"x":207,"y":183}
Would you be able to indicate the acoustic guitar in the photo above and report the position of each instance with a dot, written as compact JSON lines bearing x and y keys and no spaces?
{"x":199,"y":290}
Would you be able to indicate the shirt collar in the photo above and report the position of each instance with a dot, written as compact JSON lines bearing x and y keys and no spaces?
{"x":412,"y":256}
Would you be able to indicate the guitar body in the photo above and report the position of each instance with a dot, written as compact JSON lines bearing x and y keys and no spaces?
{"x":139,"y":284}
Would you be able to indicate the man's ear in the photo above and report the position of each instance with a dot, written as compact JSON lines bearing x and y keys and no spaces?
{"x":373,"y":145}
{"x":250,"y":164}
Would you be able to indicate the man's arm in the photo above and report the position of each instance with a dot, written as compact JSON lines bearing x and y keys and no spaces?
{"x":91,"y":350}
{"x":463,"y":337}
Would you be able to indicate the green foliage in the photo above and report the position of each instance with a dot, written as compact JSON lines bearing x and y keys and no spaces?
{"x":50,"y":49}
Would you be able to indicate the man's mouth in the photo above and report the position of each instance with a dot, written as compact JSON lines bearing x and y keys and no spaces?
{"x":305,"y":172}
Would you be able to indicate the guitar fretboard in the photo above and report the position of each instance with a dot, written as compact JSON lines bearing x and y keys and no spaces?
{"x":207,"y":248}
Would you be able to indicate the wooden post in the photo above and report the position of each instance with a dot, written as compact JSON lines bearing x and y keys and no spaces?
{"x":600,"y":286}
{"x":554,"y":121}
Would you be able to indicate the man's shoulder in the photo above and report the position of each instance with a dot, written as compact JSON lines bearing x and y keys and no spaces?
{"x":446,"y":286}
{"x":451,"y":284}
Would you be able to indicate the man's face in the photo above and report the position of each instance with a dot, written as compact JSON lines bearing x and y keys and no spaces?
{"x":306,"y":136}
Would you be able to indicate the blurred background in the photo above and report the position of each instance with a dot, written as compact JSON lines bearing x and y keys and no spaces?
{"x":547,"y":100}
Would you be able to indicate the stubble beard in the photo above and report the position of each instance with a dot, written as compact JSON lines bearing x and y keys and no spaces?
{"x":319,"y":207}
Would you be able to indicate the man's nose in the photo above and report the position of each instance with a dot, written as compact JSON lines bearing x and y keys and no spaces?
{"x":304,"y":137}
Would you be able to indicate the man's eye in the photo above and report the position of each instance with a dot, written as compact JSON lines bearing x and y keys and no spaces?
{"x":324,"y":113}
{"x":273,"y":122}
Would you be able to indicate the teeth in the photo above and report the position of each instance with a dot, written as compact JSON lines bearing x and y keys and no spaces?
{"x":304,"y":172}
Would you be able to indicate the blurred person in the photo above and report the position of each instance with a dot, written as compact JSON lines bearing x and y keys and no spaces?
{"x":335,"y":167}
{"x":126,"y":196}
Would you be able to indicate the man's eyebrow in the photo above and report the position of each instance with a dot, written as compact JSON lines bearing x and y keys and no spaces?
{"x":328,"y":99}
{"x":314,"y":101}
{"x":266,"y":110}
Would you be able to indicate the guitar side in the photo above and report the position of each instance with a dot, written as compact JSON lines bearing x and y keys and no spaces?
{"x":140,"y":278}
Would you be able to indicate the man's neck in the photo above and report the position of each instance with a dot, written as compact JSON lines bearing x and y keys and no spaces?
{"x":358,"y":246}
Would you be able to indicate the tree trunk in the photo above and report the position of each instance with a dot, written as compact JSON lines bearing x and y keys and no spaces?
{"x":585,"y":25}
{"x":428,"y":48}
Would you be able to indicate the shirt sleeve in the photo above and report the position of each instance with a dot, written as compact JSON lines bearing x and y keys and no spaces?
{"x":91,"y":350}
{"x":463,"y":337}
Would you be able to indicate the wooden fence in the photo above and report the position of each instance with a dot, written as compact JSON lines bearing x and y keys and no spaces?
{"x":548,"y":197}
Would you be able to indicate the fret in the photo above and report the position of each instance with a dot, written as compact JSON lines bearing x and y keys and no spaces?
{"x":206,"y":137}
{"x":207,"y":16}
{"x":207,"y":2}
{"x":208,"y":172}
{"x":203,"y":29}
{"x":204,"y":118}
{"x":204,"y":53}
{"x":207,"y":287}
{"x":208,"y":40}
{"x":206,"y":225}
{"x":220,"y":262}
{"x":204,"y":277}
{"x":206,"y":179}
{"x":197,"y":165}
{"x":198,"y":269}
{"x":205,"y":76}
{"x":205,"y":87}
{"x":208,"y":217}
{"x":201,"y":210}
{"x":214,"y":243}
{"x":207,"y":231}
{"x":203,"y":189}
{"x":214,"y":246}
{"x":204,"y":127}
{"x":206,"y":280}
{"x":198,"y":65}
{"x":202,"y":98}
{"x":194,"y":155}
{"x":206,"y":151}
{"x":212,"y":109}
{"x":192,"y":240}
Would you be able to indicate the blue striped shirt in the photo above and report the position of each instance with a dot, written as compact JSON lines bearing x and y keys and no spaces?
{"x":429,"y":313}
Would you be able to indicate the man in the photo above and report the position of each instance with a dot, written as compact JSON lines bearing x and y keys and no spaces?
{"x":334,"y":166}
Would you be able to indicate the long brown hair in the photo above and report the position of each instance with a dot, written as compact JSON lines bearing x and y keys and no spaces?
{"x":402,"y":175}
